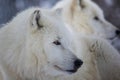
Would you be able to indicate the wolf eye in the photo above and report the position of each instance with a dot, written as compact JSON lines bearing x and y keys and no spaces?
{"x":57,"y":42}
{"x":96,"y":18}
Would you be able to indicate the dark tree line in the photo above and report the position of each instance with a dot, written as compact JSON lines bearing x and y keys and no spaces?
{"x":9,"y":8}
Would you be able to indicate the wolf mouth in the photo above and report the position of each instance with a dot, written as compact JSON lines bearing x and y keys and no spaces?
{"x":112,"y":38}
{"x":68,"y":71}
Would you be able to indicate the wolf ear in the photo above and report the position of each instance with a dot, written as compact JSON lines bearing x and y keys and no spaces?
{"x":35,"y":21}
{"x":58,"y":11}
{"x":81,"y":4}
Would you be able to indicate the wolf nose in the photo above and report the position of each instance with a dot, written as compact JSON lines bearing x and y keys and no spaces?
{"x":117,"y":32}
{"x":77,"y":63}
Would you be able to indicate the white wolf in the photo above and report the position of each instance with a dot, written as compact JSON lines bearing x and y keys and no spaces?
{"x":101,"y":60}
{"x":36,"y":45}
{"x":99,"y":56}
{"x":86,"y":17}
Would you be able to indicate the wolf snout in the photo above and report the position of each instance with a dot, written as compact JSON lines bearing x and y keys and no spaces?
{"x":117,"y":32}
{"x":77,"y":64}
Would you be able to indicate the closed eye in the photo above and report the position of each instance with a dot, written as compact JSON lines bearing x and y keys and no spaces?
{"x":96,"y":18}
{"x":57,"y":42}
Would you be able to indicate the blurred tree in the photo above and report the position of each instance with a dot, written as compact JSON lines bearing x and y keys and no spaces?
{"x":7,"y":10}
{"x":23,"y":4}
{"x":29,"y":3}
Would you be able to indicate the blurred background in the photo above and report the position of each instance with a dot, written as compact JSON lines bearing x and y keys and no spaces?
{"x":9,"y":8}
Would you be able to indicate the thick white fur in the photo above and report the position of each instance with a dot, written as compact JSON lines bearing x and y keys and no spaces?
{"x":22,"y":55}
{"x":101,"y":60}
{"x":80,"y":14}
{"x":27,"y":50}
{"x":106,"y":56}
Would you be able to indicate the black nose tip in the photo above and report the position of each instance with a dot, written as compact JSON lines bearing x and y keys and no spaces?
{"x":118,"y":32}
{"x":77,"y":63}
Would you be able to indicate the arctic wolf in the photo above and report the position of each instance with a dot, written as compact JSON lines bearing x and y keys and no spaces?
{"x":36,"y":45}
{"x":86,"y":17}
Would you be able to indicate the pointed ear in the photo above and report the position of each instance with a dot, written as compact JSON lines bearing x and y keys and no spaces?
{"x":81,"y":3}
{"x":35,"y":20}
{"x":58,"y":11}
